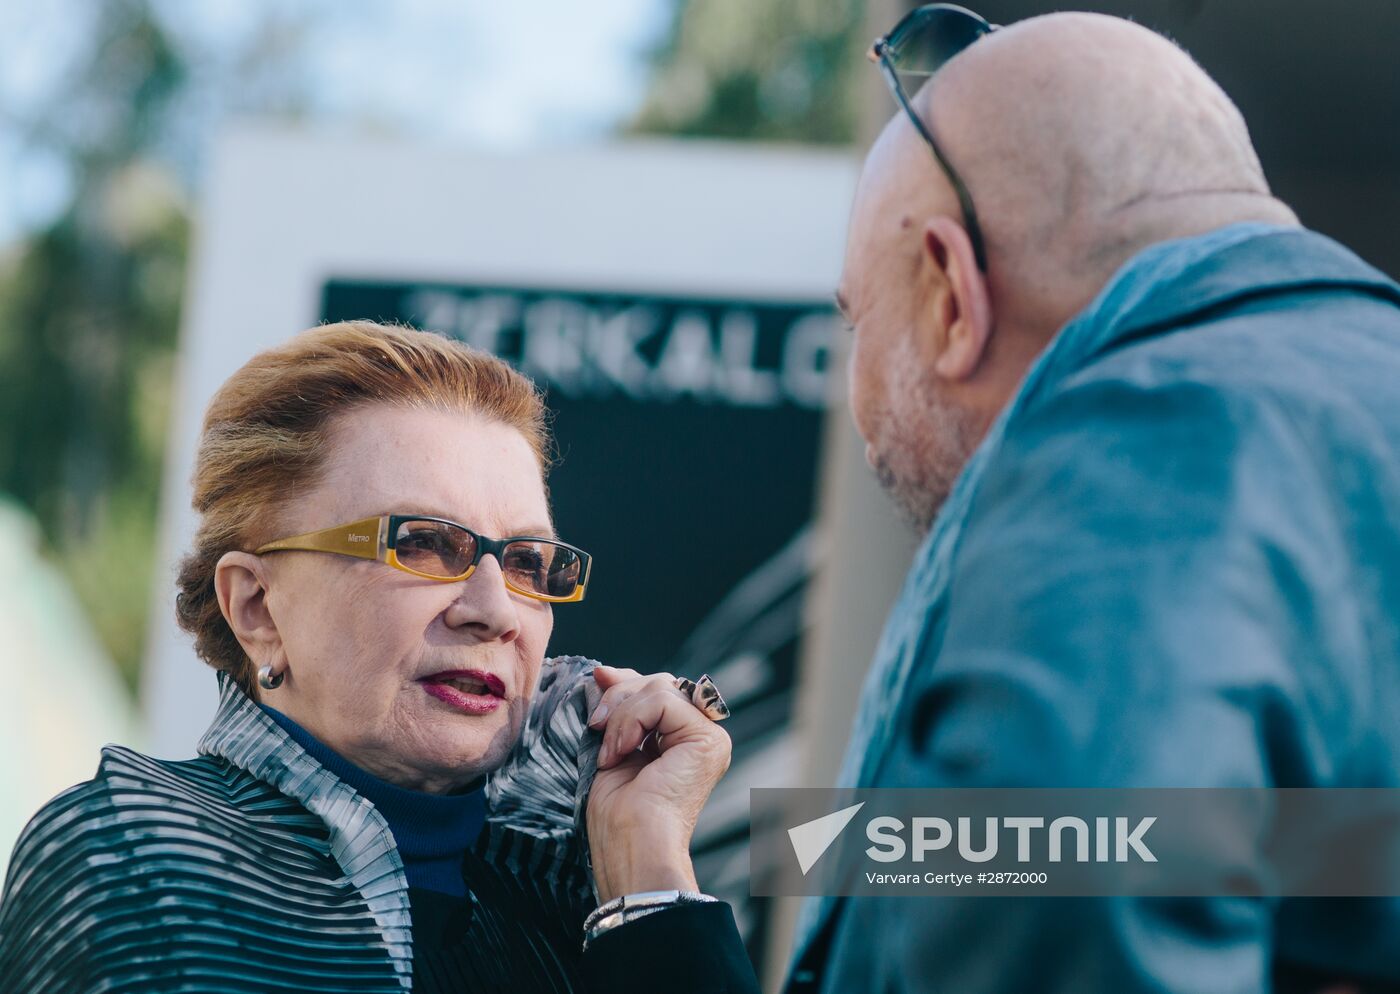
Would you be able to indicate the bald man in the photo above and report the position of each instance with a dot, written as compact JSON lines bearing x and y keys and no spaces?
{"x":1155,"y":441}
{"x":1152,"y":427}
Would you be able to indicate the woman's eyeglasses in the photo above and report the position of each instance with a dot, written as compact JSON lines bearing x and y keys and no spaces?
{"x":438,"y":549}
{"x":919,"y":45}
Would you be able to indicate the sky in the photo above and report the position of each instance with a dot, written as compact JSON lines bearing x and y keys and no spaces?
{"x":491,"y":73}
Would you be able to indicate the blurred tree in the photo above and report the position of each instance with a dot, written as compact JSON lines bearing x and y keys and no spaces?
{"x":89,"y":304}
{"x":88,"y":314}
{"x":775,"y":70}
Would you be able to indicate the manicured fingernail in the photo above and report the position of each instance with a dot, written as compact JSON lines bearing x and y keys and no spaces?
{"x":604,"y":754}
{"x":599,"y":715}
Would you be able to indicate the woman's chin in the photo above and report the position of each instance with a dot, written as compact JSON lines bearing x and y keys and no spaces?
{"x":458,"y":753}
{"x":449,"y":744}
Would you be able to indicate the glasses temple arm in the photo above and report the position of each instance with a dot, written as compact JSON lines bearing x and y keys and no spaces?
{"x":974,"y":230}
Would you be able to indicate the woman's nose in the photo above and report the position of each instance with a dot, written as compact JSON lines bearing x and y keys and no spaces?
{"x":484,"y":604}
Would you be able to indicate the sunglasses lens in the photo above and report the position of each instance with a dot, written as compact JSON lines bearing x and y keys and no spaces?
{"x":434,"y":548}
{"x":929,"y":37}
{"x":542,"y":568}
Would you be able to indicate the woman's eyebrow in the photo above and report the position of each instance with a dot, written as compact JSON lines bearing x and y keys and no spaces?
{"x":535,"y":530}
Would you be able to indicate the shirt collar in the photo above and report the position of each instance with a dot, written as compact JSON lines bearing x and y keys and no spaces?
{"x":1174,"y":283}
{"x":359,"y":837}
{"x":424,"y":825}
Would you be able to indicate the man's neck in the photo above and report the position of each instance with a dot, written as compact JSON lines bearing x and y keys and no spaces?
{"x":1129,"y":228}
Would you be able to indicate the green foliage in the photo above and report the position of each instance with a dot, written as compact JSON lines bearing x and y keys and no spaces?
{"x":89,"y":309}
{"x":775,"y":70}
{"x":89,"y":305}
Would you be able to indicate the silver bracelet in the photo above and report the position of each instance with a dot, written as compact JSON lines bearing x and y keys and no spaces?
{"x":630,"y":907}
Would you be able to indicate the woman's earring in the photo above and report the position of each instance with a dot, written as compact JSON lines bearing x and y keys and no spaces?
{"x":268,"y":680}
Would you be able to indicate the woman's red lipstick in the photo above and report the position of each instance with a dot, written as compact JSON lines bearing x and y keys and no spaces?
{"x":469,"y":691}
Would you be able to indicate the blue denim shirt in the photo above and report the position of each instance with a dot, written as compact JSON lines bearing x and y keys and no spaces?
{"x":1173,"y":561}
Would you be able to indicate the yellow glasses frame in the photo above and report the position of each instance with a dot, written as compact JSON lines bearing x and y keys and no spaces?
{"x":372,"y":538}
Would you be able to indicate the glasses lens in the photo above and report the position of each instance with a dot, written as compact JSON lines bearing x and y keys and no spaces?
{"x":929,"y":37}
{"x":434,"y":548}
{"x":542,"y":568}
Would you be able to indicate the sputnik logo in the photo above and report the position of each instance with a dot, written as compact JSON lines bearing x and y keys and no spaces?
{"x":812,"y":838}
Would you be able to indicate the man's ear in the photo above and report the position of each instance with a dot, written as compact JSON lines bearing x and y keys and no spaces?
{"x":240,"y":582}
{"x":967,"y":306}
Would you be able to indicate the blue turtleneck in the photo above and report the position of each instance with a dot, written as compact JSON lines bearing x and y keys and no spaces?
{"x":432,"y":831}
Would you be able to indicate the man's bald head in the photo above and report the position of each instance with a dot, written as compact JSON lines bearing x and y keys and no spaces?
{"x":1082,"y":139}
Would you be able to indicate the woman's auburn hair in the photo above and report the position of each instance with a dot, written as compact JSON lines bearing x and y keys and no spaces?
{"x":265,"y":440}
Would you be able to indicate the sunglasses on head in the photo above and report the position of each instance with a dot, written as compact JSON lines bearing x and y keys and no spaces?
{"x":439,"y":549}
{"x":918,"y":46}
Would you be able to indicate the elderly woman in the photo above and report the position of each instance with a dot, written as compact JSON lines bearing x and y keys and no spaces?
{"x":398,"y":792}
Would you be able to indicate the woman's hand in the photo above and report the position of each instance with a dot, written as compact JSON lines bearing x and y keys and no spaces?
{"x":660,"y":759}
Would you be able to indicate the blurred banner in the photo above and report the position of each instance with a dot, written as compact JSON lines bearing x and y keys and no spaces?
{"x":673,"y":299}
{"x":687,"y":432}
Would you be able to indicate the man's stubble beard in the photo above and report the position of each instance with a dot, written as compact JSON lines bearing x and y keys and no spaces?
{"x":925,"y":445}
